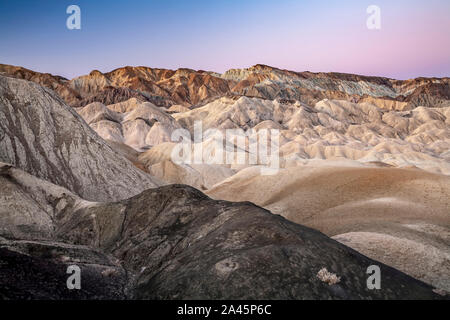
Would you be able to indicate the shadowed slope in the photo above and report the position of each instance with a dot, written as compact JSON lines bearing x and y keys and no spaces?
{"x":176,"y":243}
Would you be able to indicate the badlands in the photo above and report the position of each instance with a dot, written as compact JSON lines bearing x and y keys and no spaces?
{"x":364,"y":160}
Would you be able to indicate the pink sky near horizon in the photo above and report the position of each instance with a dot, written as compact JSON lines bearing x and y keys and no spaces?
{"x":298,"y":35}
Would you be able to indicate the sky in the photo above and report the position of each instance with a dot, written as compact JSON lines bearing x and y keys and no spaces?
{"x":216,"y":35}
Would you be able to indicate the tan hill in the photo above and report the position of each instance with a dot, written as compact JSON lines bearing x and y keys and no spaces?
{"x":350,"y":202}
{"x":141,"y":126}
{"x":337,"y":130}
{"x":200,"y":176}
{"x":161,"y":87}
{"x":308,"y":87}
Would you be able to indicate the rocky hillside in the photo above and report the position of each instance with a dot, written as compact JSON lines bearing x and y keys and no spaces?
{"x":188,"y":87}
{"x":171,"y":242}
{"x":56,"y":83}
{"x":43,"y":136}
{"x":397,"y":216}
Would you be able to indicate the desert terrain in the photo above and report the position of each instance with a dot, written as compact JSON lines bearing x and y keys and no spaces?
{"x":89,"y":174}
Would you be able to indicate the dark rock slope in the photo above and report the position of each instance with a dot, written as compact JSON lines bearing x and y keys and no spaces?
{"x":172,"y":242}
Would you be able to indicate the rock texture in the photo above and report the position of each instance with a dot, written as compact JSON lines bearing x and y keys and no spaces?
{"x":56,"y":83}
{"x":398,"y":216}
{"x":337,"y":130}
{"x":27,"y":277}
{"x":363,"y":159}
{"x":188,"y":87}
{"x":140,"y":125}
{"x":172,"y":243}
{"x":42,"y":135}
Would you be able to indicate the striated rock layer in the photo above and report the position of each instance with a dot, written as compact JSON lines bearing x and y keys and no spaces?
{"x":188,"y":87}
{"x":43,"y":136}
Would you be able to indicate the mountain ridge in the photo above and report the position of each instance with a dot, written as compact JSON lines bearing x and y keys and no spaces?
{"x":165,"y":87}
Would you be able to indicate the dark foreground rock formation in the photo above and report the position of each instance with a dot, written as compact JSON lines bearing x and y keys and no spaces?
{"x":171,"y":242}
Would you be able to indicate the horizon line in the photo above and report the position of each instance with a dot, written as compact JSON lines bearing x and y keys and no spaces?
{"x":221,"y":73}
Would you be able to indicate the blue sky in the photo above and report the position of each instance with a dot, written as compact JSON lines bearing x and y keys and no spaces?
{"x":221,"y":34}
